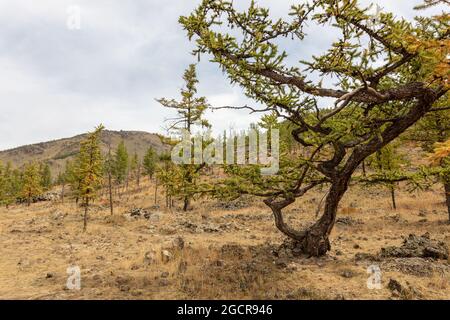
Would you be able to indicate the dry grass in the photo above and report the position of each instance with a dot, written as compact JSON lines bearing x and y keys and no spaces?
{"x":236,"y":262}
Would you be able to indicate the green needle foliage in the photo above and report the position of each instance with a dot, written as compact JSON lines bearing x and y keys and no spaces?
{"x":150,"y":162}
{"x":190,"y":110}
{"x":383,"y":78}
{"x":32,"y":184}
{"x":121,"y":163}
{"x":46,"y":176}
{"x":90,"y":169}
{"x":432,"y":130}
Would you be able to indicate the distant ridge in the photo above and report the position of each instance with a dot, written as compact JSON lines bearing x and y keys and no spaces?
{"x":57,"y":152}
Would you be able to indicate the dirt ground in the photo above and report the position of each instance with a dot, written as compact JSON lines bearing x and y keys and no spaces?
{"x":219,"y":250}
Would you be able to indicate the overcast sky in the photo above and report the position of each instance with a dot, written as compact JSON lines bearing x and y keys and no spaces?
{"x":56,"y":82}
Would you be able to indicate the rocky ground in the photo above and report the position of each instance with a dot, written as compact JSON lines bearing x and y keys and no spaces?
{"x":226,"y":250}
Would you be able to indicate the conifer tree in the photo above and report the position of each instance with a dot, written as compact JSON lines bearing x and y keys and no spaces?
{"x":387,"y":163}
{"x":72,"y":178}
{"x":135,"y":168}
{"x":32,"y":184}
{"x":109,"y":170}
{"x":61,"y":180}
{"x":383,"y":78}
{"x":441,"y":158}
{"x":10,"y":184}
{"x":166,"y":174}
{"x":150,"y":161}
{"x":121,"y":164}
{"x":46,"y":176}
{"x":190,"y":111}
{"x":3,"y":184}
{"x":90,"y":169}
{"x":434,"y":129}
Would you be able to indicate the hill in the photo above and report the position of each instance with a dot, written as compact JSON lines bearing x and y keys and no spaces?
{"x":57,"y":152}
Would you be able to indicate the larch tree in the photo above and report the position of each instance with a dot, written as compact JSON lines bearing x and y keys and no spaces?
{"x":46,"y":176}
{"x":10,"y":184}
{"x":441,"y":158}
{"x":90,"y":169}
{"x":32,"y":183}
{"x":135,"y":168}
{"x":108,"y":169}
{"x":121,"y":164}
{"x":387,"y":164}
{"x":72,"y":178}
{"x":190,"y":112}
{"x":434,"y":129}
{"x":150,"y":162}
{"x":3,"y":184}
{"x":383,"y":77}
{"x":166,"y":174}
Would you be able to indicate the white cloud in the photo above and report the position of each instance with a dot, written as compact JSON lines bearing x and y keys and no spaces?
{"x":56,"y":82}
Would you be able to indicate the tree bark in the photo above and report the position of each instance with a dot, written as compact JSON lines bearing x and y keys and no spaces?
{"x":85,"y":214}
{"x":138,"y":176}
{"x":186,"y":204}
{"x":111,"y":205}
{"x":316,"y":241}
{"x":394,"y":205}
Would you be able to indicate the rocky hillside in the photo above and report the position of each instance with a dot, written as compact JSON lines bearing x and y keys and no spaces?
{"x":57,"y":152}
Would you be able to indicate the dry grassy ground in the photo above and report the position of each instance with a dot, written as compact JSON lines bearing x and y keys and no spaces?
{"x":227,"y":253}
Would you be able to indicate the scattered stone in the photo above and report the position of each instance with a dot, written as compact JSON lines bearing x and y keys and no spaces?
{"x":49,"y":275}
{"x":406,"y":292}
{"x":417,"y":246}
{"x":124,"y":288}
{"x":414,"y":266}
{"x":360,"y":256}
{"x":163,"y":282}
{"x":139,"y":213}
{"x":210,"y":228}
{"x":347,"y":273}
{"x":150,"y":257}
{"x":281,"y":263}
{"x":232,"y":250}
{"x":394,"y":285}
{"x":232,"y":205}
{"x":348,"y":221}
{"x":165,"y":274}
{"x":58,"y":215}
{"x":174,"y":244}
{"x":166,"y":256}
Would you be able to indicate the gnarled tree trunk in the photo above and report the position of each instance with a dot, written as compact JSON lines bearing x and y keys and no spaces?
{"x":316,"y":241}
